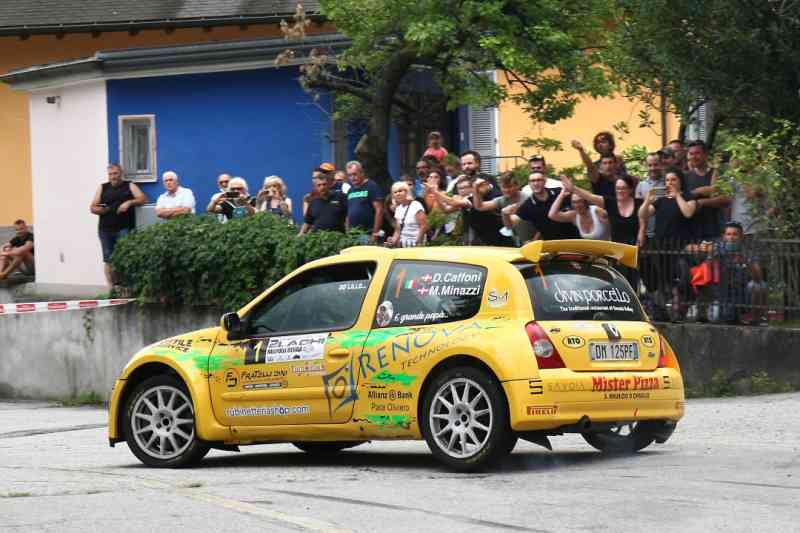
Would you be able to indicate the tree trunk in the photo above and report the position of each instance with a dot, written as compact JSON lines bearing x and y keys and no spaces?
{"x":372,"y":150}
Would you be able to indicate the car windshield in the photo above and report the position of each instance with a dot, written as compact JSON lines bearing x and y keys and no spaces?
{"x":573,"y":290}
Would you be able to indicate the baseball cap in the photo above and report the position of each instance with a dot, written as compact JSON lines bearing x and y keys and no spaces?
{"x":327,"y":167}
{"x":667,"y":150}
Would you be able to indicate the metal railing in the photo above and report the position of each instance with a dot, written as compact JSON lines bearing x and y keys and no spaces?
{"x":754,"y":281}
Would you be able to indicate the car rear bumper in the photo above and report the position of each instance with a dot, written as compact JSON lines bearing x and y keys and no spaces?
{"x":562,"y":398}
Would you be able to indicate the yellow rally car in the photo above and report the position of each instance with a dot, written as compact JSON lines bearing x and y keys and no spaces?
{"x":469,"y":348}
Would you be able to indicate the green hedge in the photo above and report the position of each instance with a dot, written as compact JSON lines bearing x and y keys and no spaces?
{"x":195,"y":260}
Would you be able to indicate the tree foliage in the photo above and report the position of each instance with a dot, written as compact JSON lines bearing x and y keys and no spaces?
{"x":741,"y":55}
{"x":546,"y":48}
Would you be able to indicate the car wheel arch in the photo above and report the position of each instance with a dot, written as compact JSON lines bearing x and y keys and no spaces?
{"x":137,"y":376}
{"x":450,"y":362}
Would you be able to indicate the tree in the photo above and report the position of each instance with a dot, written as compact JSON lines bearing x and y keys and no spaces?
{"x":547,"y":49}
{"x":741,"y":55}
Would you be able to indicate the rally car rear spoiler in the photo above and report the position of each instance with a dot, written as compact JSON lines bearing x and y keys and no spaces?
{"x":623,"y":253}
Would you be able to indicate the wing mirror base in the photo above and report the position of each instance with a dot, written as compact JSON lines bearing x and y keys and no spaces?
{"x":232,"y":324}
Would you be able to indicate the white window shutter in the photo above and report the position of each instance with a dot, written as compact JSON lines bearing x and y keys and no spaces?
{"x":483,"y":136}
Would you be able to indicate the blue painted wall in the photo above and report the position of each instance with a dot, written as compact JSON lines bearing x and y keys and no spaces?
{"x":247,"y":123}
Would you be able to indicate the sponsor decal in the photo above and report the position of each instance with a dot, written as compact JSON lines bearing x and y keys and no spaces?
{"x":179,"y":345}
{"x":340,"y":387}
{"x":566,"y":386}
{"x":541,"y":410}
{"x":497,"y":299}
{"x":308,"y":369}
{"x":573,"y":341}
{"x":268,"y":385}
{"x":452,"y":290}
{"x":590,"y":296}
{"x":268,"y":410}
{"x":535,"y":387}
{"x":248,"y":376}
{"x":389,"y":407}
{"x":667,"y":382}
{"x":231,"y":378}
{"x":626,"y":395}
{"x":389,"y":395}
{"x":612,"y":331}
{"x":353,"y":286}
{"x":648,"y":340}
{"x":282,"y":349}
{"x":604,"y":384}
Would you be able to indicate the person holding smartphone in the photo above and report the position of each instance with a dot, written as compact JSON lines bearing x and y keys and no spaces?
{"x":236,"y":202}
{"x":114,"y":203}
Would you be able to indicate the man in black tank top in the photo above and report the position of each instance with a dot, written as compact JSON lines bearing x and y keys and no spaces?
{"x":114,"y":202}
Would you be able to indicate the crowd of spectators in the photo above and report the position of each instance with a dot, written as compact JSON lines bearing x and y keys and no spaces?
{"x":696,"y":238}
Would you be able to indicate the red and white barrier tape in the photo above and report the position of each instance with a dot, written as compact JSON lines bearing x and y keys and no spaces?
{"x":44,"y":307}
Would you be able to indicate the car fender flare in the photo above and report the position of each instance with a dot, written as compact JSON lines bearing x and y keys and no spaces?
{"x":206,"y":425}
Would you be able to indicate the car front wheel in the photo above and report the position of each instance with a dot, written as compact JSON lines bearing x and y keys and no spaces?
{"x":160,"y":424}
{"x":465,"y":419}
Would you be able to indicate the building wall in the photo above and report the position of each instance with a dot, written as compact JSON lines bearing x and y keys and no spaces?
{"x":251,"y":123}
{"x":15,"y":187}
{"x":591,"y":116}
{"x":69,"y":155}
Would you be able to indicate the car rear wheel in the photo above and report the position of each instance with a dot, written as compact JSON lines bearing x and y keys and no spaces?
{"x":623,"y":438}
{"x":160,"y":424}
{"x":465,"y":419}
{"x":326,"y":448}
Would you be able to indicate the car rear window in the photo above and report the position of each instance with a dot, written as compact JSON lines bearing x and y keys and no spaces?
{"x":572,"y":290}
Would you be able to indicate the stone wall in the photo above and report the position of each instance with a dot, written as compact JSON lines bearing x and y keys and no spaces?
{"x":64,"y":354}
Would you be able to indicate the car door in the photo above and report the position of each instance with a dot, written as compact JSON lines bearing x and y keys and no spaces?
{"x":294,"y":365}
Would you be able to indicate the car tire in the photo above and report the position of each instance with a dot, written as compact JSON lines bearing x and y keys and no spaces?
{"x":159,"y":424}
{"x":326,"y":448}
{"x":465,"y":420}
{"x":625,"y":438}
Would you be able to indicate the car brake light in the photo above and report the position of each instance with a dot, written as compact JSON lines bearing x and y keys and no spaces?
{"x":547,"y":355}
{"x":665,"y":359}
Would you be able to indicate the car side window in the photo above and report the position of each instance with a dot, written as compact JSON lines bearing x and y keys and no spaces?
{"x":429,"y":292}
{"x":322,"y":299}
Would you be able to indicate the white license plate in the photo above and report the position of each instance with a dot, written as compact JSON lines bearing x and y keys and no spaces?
{"x":614,"y":351}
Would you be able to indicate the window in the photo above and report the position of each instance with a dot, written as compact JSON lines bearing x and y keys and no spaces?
{"x":430,"y":292}
{"x":137,"y":147}
{"x":579,"y":291}
{"x":323,"y":299}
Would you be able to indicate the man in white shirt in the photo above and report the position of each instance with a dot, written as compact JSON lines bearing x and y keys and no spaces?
{"x":176,"y":200}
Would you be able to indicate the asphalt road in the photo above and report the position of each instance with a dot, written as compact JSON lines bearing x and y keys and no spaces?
{"x":732,"y":465}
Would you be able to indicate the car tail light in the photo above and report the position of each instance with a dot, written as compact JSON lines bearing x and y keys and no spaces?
{"x":547,"y":355}
{"x":666,"y":359}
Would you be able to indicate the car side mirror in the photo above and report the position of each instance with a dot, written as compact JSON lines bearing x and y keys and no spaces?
{"x":231,"y":323}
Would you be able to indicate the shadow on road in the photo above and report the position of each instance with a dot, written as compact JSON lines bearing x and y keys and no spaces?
{"x":526,"y":461}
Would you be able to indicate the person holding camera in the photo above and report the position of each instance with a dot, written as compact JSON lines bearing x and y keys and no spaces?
{"x":272,"y":198}
{"x":236,"y":202}
{"x":114,"y":203}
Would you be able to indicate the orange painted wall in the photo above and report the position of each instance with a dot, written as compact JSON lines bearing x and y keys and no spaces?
{"x":15,"y":158}
{"x":591,"y":116}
